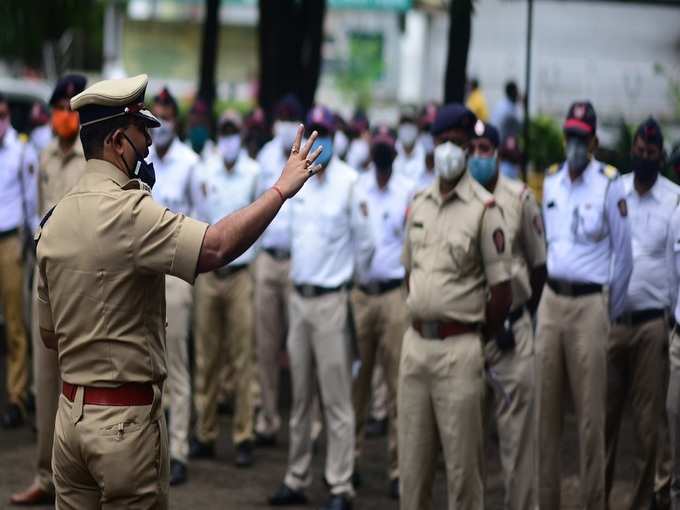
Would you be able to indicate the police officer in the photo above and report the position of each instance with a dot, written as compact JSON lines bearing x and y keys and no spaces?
{"x":378,"y":300}
{"x":62,"y":163}
{"x":19,"y":164}
{"x":455,"y":254}
{"x":272,"y":276}
{"x":410,"y":161}
{"x":224,"y":300}
{"x":175,"y":165}
{"x":637,"y":348}
{"x":329,"y":230}
{"x":510,"y":357}
{"x":589,"y":248}
{"x":102,"y":256}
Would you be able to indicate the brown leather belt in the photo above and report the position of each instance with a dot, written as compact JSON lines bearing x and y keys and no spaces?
{"x":573,"y":289}
{"x":128,"y":394}
{"x":9,"y":233}
{"x":439,"y":330}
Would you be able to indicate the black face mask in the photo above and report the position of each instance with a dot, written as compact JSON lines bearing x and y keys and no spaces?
{"x":383,"y":156}
{"x":143,"y":171}
{"x":645,"y":170}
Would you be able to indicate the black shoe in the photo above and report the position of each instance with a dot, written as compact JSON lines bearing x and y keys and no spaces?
{"x":178,"y":472}
{"x":244,"y":454}
{"x":225,"y":408}
{"x":338,"y":502}
{"x":201,"y":450}
{"x":12,"y":418}
{"x":285,"y":496}
{"x":393,"y":490}
{"x":265,"y":440}
{"x":356,"y":479}
{"x":376,"y":428}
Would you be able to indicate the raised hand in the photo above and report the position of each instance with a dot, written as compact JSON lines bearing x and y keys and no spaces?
{"x":300,"y":165}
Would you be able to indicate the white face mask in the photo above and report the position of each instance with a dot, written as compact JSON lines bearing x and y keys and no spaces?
{"x":229,"y":147}
{"x":340,"y":143}
{"x":358,"y":153}
{"x":285,"y":131}
{"x":449,"y":161}
{"x":407,"y":133}
{"x":163,"y":134}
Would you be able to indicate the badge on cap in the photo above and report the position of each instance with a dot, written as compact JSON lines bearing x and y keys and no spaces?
{"x":623,"y":207}
{"x":579,"y":111}
{"x":499,"y":240}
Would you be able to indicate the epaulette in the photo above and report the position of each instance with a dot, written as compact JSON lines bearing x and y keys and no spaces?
{"x":38,"y":233}
{"x":609,"y":171}
{"x":136,"y":184}
{"x":553,"y":169}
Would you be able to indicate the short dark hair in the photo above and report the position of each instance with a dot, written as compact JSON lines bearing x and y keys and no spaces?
{"x":474,"y":83}
{"x":511,"y":91}
{"x":94,"y":135}
{"x":3,"y":98}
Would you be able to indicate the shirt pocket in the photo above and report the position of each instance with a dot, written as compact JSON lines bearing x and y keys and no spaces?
{"x":656,"y":230}
{"x":333,"y":225}
{"x":590,"y":224}
{"x":456,"y":254}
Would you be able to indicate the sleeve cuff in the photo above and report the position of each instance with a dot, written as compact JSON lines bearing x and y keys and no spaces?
{"x":45,"y":315}
{"x":188,"y":249}
{"x":497,"y":272}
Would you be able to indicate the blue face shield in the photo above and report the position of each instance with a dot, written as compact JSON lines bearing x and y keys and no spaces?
{"x":482,"y":169}
{"x":327,"y":153}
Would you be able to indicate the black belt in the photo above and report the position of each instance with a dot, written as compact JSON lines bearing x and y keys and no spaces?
{"x":640,"y":316}
{"x":310,"y":291}
{"x":573,"y":289}
{"x":226,"y":271}
{"x":377,"y":288}
{"x":9,"y":233}
{"x":278,"y":254}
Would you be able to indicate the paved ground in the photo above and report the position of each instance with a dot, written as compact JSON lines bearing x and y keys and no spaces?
{"x":219,"y":485}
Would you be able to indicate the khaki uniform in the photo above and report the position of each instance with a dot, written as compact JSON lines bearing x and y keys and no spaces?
{"x":102,"y":257}
{"x":455,"y":250}
{"x":58,"y":173}
{"x":512,"y":372}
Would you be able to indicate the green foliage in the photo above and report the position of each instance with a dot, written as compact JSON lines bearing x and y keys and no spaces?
{"x":546,"y":143}
{"x":673,"y":86}
{"x":364,"y":66}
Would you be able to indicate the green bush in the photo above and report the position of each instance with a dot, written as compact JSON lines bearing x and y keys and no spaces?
{"x":546,"y":143}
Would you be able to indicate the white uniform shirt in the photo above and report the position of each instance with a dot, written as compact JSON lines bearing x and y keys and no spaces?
{"x":587,"y":230}
{"x":650,"y":216}
{"x":330,"y":232}
{"x":387,"y":210}
{"x":412,"y":165}
{"x":272,"y":159}
{"x":41,"y":137}
{"x":226,"y":191}
{"x":175,"y":175}
{"x":425,"y":180}
{"x":18,"y":182}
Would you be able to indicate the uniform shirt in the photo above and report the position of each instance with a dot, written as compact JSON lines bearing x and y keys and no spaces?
{"x":330,"y":231}
{"x":272,"y":159}
{"x":226,"y":191}
{"x":58,"y":173}
{"x":41,"y":137}
{"x":587,"y":230}
{"x":18,"y":173}
{"x":387,"y":210}
{"x":455,"y":248}
{"x":411,"y":165}
{"x":650,"y":216}
{"x":524,"y":234}
{"x":102,"y":258}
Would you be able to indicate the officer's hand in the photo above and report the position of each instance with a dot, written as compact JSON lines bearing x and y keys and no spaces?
{"x":300,"y":165}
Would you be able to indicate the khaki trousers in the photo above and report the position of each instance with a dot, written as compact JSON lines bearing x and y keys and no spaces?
{"x":634,"y":356}
{"x":441,"y":393}
{"x":571,"y":341}
{"x":272,"y":290}
{"x":177,"y":390}
{"x":512,"y":376}
{"x":319,"y":352}
{"x":224,"y":329}
{"x":664,"y":463}
{"x":380,"y":322}
{"x":11,"y":299}
{"x":110,"y":457}
{"x":379,"y":393}
{"x":47,"y":389}
{"x":673,"y":408}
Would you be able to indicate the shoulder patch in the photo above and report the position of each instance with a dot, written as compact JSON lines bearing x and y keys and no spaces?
{"x":23,"y":137}
{"x":136,"y":184}
{"x":609,"y":171}
{"x":553,"y":169}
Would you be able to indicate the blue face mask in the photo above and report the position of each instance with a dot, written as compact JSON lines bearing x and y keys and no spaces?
{"x":327,"y":153}
{"x":482,"y":169}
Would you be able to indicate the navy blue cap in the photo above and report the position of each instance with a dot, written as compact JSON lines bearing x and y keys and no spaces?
{"x":165,"y":98}
{"x":650,"y":132}
{"x":320,"y":116}
{"x":488,"y":131}
{"x":581,"y":119}
{"x":453,"y":116}
{"x":383,"y":135}
{"x":67,"y":87}
{"x":359,"y":122}
{"x":288,"y":106}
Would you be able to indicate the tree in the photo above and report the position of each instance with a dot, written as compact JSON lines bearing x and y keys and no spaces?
{"x":460,"y":13}
{"x":290,"y":37}
{"x":210,"y":40}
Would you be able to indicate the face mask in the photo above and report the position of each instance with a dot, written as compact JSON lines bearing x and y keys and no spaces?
{"x":340,"y":143}
{"x":482,"y":169}
{"x":358,"y":153}
{"x":577,"y":153}
{"x":143,"y":171}
{"x":163,"y":134}
{"x":198,"y":136}
{"x":407,"y":134}
{"x":327,"y":143}
{"x":285,"y":131}
{"x":427,"y":142}
{"x":449,"y":161}
{"x":383,"y":156}
{"x":509,"y":170}
{"x":229,"y":147}
{"x":645,"y":170}
{"x":65,"y":123}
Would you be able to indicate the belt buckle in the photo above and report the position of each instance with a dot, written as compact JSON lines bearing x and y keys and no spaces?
{"x":373,"y":287}
{"x":307,"y":291}
{"x":430,"y":329}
